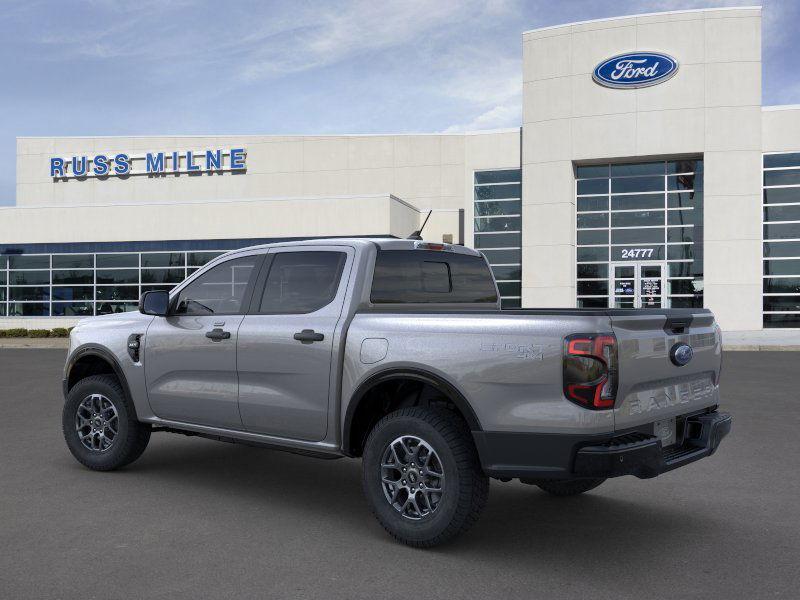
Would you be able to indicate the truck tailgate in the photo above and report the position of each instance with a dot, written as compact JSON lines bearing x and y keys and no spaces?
{"x":651,"y":386}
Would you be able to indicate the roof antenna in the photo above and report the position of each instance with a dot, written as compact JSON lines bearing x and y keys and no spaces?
{"x":417,"y":235}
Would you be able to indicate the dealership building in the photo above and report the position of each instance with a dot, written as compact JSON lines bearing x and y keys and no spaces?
{"x":645,"y":173}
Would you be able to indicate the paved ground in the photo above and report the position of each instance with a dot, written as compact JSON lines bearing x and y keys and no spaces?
{"x":200,"y":519}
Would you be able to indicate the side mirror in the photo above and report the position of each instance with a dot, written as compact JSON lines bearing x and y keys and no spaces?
{"x":155,"y":302}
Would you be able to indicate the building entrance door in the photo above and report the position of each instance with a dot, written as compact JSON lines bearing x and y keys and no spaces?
{"x":637,"y":285}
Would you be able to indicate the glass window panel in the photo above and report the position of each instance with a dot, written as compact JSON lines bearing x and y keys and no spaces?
{"x":73,"y":277}
{"x":782,"y":267}
{"x":788,"y":177}
{"x":592,"y":236}
{"x":591,"y":171}
{"x":507,"y":272}
{"x":118,"y":276}
{"x":636,"y":184}
{"x":498,"y":176}
{"x":29,"y":293}
{"x":782,"y":249}
{"x":73,"y":261}
{"x":592,"y":254}
{"x":506,"y":207}
{"x":593,"y":288}
{"x":117,"y":260}
{"x":3,"y":262}
{"x":592,"y":186}
{"x":592,"y":302}
{"x":637,"y":236}
{"x":684,"y":286}
{"x":23,"y":261}
{"x":509,"y":288}
{"x":782,"y":285}
{"x":198,"y":259}
{"x":593,"y":220}
{"x":684,"y":217}
{"x":789,"y":159}
{"x":29,"y":277}
{"x":680,"y":269}
{"x":2,"y":294}
{"x":107,"y":308}
{"x":782,"y":231}
{"x":782,"y":195}
{"x":498,"y":240}
{"x":791,"y":303}
{"x":637,"y":202}
{"x":637,"y":219}
{"x":680,"y":234}
{"x":164,"y":259}
{"x":585,"y":204}
{"x":592,"y":271}
{"x":28,"y":309}
{"x":3,"y":309}
{"x":2,"y":277}
{"x":73,"y":292}
{"x":497,"y":192}
{"x":73,"y":309}
{"x":117,"y":292}
{"x":787,"y":320}
{"x":498,"y":224}
{"x":695,"y":301}
{"x":648,"y":168}
{"x":162,"y":275}
{"x":680,"y":252}
{"x":219,"y":290}
{"x":503,"y":257}
{"x":684,"y":199}
{"x":509,"y":303}
{"x":782,"y":213}
{"x":150,"y":288}
{"x":684,"y":182}
{"x":684,"y":166}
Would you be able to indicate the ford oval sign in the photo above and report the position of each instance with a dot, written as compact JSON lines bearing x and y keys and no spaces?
{"x":681,"y":354}
{"x":635,"y":70}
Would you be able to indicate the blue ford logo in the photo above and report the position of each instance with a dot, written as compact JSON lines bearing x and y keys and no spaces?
{"x":681,"y":354}
{"x":635,"y":70}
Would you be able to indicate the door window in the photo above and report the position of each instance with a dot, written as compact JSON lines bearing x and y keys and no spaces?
{"x":221,"y":290}
{"x":302,"y":282}
{"x":637,"y":285}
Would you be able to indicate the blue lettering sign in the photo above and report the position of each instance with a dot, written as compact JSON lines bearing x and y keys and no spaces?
{"x":56,"y":167}
{"x":100,"y":164}
{"x":123,"y":165}
{"x":213,"y":160}
{"x":154,"y":162}
{"x":176,"y":162}
{"x":190,"y":166}
{"x":237,"y":159}
{"x":635,"y":70}
{"x":79,"y":166}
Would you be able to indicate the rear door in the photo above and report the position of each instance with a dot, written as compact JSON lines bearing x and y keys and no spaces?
{"x":652,"y":386}
{"x":286,"y":341}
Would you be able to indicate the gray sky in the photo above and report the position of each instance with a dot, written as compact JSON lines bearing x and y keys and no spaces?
{"x":152,"y":67}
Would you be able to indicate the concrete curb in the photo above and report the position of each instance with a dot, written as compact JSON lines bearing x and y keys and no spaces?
{"x":56,"y":343}
{"x":759,"y":348}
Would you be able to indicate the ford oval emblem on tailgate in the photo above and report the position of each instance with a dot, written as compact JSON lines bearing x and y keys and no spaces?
{"x":681,"y":354}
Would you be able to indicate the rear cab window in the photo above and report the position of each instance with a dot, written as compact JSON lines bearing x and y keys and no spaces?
{"x":428,"y":276}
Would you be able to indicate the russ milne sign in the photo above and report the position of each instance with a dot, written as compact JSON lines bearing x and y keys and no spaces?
{"x":635,"y":70}
{"x":151,"y":163}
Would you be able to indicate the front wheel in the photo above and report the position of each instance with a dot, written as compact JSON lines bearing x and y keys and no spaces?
{"x":422,"y":476}
{"x":100,"y":425}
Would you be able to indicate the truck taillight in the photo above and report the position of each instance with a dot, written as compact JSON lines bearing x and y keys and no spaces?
{"x":591,"y":370}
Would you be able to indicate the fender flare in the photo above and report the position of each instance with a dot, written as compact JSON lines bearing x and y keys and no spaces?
{"x":104,"y":354}
{"x":417,"y":374}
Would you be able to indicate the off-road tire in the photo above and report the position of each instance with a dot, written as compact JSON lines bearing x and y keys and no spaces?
{"x":568,"y":487}
{"x":466,"y":487}
{"x":132,"y":436}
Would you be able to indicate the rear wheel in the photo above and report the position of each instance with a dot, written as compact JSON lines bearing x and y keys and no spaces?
{"x":100,"y":425}
{"x":422,"y":477}
{"x":568,"y":487}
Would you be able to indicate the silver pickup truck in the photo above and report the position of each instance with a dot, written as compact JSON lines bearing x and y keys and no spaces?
{"x":397,"y":351}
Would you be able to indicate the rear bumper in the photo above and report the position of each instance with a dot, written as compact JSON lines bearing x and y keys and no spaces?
{"x":559,"y":456}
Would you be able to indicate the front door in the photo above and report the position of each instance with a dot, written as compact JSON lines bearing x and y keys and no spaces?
{"x":190,"y":355}
{"x":286,"y":341}
{"x":637,"y":285}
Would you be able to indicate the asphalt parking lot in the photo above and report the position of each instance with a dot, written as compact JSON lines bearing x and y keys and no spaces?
{"x":200,"y":519}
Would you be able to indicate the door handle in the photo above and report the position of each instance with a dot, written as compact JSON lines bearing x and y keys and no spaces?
{"x":217,"y":335}
{"x":308,"y":335}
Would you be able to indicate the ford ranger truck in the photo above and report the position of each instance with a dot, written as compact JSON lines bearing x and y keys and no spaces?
{"x":397,"y":352}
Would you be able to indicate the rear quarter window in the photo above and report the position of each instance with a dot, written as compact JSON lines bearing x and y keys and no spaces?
{"x":426,"y":276}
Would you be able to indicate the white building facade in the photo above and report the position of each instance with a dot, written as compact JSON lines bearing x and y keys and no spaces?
{"x":645,"y":173}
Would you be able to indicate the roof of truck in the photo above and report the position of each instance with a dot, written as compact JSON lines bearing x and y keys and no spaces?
{"x":384,"y":243}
